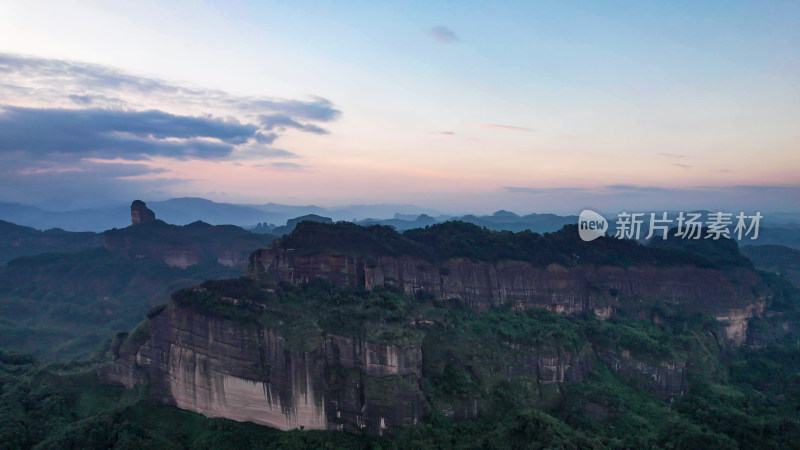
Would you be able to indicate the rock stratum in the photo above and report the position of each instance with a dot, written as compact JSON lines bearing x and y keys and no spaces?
{"x":522,"y":286}
{"x":346,"y":334}
{"x":221,"y":368}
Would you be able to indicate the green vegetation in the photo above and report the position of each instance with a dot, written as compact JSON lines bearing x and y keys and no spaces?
{"x":303,"y":315}
{"x":748,"y":399}
{"x":776,"y":259}
{"x":464,"y":240}
{"x":742,"y":399}
{"x":63,"y":305}
{"x":16,"y":241}
{"x":198,"y":235}
{"x":59,"y":306}
{"x":721,"y":253}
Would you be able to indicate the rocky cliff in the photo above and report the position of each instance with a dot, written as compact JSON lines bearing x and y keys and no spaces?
{"x":246,"y":371}
{"x":731,"y":296}
{"x":322,"y":357}
{"x":222,"y":368}
{"x":373,"y":338}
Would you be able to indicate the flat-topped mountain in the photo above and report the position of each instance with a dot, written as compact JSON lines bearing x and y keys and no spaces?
{"x":342,"y":327}
{"x":557,"y":271}
{"x":188,"y":245}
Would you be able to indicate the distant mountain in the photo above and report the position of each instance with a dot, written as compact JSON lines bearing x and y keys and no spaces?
{"x":183,"y":211}
{"x":187,"y":245}
{"x":402,"y":222}
{"x":779,"y":228}
{"x":292,"y":223}
{"x":95,"y":219}
{"x":777,"y":259}
{"x":60,"y":305}
{"x":786,"y":236}
{"x":508,"y":221}
{"x":499,"y":221}
{"x":361,"y":212}
{"x":16,"y":241}
{"x":289,"y":210}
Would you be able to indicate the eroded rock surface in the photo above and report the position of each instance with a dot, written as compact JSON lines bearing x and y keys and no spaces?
{"x":728,"y":295}
{"x":222,"y":368}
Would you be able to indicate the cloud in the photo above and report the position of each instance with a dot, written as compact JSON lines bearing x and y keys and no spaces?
{"x":682,"y":166}
{"x":532,"y":190}
{"x":258,"y":152}
{"x":635,"y":198}
{"x":61,"y":122}
{"x":494,"y":126}
{"x":289,"y":166}
{"x":610,"y":189}
{"x":282,"y":122}
{"x":80,"y":183}
{"x":617,"y":189}
{"x":444,"y":34}
{"x":283,"y":166}
{"x":98,"y":101}
{"x":42,"y":82}
{"x":621,"y":188}
{"x":129,"y":135}
{"x":674,"y":155}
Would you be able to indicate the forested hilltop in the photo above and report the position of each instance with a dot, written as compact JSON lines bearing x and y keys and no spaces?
{"x":456,"y":239}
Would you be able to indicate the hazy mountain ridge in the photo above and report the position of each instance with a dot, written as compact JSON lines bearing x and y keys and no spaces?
{"x":60,"y":305}
{"x":183,"y":211}
{"x":16,"y":241}
{"x":777,"y":259}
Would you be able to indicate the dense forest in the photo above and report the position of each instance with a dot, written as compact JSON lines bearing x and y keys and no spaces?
{"x":63,"y":305}
{"x":456,"y":239}
{"x":746,"y":398}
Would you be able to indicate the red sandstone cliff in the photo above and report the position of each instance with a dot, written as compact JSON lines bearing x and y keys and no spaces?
{"x":731,"y":296}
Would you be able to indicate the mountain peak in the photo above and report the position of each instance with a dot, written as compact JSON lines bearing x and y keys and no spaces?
{"x":140,"y":213}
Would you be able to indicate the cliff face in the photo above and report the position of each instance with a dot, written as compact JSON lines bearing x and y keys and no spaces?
{"x":524,"y":286}
{"x":221,"y":368}
{"x":665,"y":379}
{"x":279,"y":349}
{"x":243,"y":371}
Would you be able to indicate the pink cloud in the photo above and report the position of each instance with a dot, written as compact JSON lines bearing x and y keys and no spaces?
{"x":494,"y":126}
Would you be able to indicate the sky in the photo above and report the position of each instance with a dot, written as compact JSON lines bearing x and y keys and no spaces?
{"x":458,"y":106}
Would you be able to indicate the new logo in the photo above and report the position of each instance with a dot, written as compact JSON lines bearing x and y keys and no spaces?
{"x":591,"y":225}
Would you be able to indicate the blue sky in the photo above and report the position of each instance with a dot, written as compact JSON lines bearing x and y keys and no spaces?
{"x":528,"y":106}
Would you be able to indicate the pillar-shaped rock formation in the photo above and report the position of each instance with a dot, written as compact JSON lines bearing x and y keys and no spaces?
{"x":140,"y":213}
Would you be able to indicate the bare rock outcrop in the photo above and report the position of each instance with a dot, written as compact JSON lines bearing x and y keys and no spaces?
{"x":730,"y":296}
{"x":223,"y":368}
{"x":140,"y":213}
